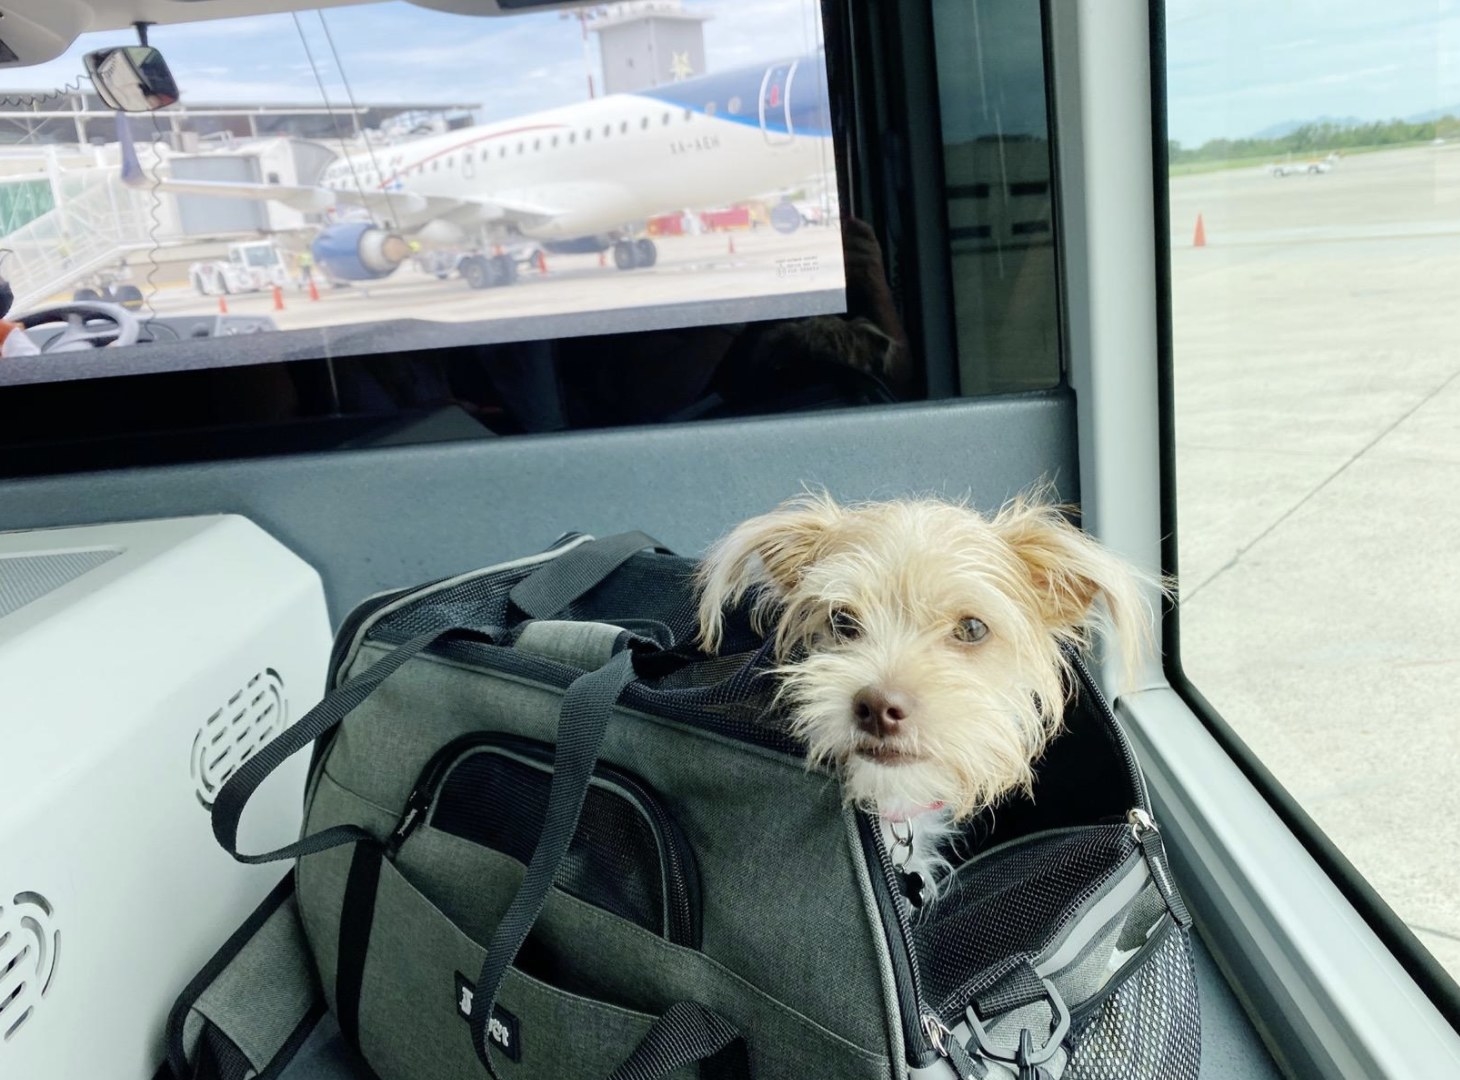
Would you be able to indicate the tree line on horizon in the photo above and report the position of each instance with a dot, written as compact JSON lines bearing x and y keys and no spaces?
{"x":1319,"y":139}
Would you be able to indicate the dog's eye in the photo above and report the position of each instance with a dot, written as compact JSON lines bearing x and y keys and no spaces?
{"x":970,"y":631}
{"x":844,"y":624}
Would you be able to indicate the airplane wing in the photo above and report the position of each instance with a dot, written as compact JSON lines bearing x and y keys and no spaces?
{"x":391,"y":205}
{"x":401,"y":207}
{"x":307,"y":198}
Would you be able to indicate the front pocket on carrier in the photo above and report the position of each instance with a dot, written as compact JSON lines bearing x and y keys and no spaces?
{"x":415,"y":1003}
{"x":627,"y":857}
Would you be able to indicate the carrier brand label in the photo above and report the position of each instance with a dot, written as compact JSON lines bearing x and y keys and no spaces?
{"x":501,"y":1028}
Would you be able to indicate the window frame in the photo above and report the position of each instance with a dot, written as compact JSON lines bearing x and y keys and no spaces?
{"x":1330,"y":993}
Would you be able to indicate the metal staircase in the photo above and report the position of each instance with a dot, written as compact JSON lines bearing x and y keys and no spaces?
{"x":95,"y":223}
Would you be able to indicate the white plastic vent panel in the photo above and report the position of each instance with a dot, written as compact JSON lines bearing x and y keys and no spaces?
{"x":228,"y":738}
{"x":156,"y":642}
{"x":30,"y":944}
{"x":24,"y":578}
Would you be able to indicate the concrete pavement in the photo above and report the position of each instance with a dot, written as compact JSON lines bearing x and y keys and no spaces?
{"x":1317,"y":360}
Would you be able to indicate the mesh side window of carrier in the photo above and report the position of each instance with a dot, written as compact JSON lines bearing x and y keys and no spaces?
{"x":1009,"y":904}
{"x":1149,"y":1025}
{"x":613,"y":861}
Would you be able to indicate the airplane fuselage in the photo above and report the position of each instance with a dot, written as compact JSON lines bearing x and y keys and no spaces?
{"x":602,"y":165}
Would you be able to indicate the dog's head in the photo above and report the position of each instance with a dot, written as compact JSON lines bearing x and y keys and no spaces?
{"x":920,"y":642}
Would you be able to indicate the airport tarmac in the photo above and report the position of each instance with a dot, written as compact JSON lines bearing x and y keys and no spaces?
{"x":711,"y":266}
{"x":1317,"y":380}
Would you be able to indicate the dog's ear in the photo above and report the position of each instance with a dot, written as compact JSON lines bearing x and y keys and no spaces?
{"x":1070,"y":571}
{"x":767,"y":553}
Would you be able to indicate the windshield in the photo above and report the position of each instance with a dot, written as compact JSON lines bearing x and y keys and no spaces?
{"x":445,"y":179}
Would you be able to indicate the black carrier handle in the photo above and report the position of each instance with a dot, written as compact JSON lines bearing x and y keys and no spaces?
{"x":559,"y":582}
{"x":577,"y":571}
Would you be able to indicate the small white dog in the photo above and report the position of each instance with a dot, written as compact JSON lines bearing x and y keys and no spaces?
{"x":920,"y":646}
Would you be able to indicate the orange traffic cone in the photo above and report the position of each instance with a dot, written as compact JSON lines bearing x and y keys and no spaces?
{"x":313,"y":288}
{"x":278,"y":298}
{"x":1200,"y":239}
{"x":541,"y":261}
{"x":222,"y":305}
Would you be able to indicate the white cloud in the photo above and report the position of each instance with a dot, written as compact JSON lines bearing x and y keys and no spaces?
{"x":396,"y":51}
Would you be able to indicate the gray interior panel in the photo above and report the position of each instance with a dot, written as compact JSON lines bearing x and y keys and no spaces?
{"x":386,"y":517}
{"x":1230,"y":1048}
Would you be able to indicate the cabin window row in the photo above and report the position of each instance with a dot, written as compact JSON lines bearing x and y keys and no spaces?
{"x":522,"y":146}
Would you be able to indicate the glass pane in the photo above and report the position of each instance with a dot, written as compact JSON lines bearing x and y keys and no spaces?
{"x":1000,"y":193}
{"x":320,"y":172}
{"x":1315,"y":202}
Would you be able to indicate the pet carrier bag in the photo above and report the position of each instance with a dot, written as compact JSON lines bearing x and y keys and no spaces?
{"x":545,"y":837}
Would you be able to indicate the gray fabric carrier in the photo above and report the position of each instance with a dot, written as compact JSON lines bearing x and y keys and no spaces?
{"x":545,"y":837}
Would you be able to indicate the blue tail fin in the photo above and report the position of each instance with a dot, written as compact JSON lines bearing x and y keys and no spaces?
{"x":132,"y":174}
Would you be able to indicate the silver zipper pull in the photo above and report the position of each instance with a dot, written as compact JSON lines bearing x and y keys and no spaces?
{"x":1143,"y":828}
{"x":936,"y":1031}
{"x":1141,"y":823}
{"x":951,"y":1050}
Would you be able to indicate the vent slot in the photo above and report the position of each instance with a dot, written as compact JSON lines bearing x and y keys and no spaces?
{"x":30,"y":944}
{"x":252,"y":716}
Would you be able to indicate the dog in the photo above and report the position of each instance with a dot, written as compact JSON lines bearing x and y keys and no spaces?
{"x":920,"y":646}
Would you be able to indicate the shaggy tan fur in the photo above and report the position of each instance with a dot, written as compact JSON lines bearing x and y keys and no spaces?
{"x":884,"y":596}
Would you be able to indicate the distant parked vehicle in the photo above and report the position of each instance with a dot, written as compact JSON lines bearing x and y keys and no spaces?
{"x":251,"y":266}
{"x":1311,"y":168}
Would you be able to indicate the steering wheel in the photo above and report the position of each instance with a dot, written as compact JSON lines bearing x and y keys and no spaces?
{"x":123,"y":330}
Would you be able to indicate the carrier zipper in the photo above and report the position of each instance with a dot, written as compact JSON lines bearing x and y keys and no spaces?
{"x":1148,"y":835}
{"x":898,"y":932}
{"x":345,"y":635}
{"x":946,"y":1045}
{"x":679,"y":884}
{"x":1132,"y":768}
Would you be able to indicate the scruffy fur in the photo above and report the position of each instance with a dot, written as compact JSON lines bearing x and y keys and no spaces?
{"x":883,"y":598}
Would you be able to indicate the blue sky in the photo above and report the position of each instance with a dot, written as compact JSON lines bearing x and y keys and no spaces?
{"x":397,"y":52}
{"x":1235,"y":67}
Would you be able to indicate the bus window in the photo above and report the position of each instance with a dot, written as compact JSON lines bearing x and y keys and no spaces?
{"x":1314,"y":167}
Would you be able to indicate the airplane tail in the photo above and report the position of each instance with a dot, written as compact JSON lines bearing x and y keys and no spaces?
{"x":132,"y":173}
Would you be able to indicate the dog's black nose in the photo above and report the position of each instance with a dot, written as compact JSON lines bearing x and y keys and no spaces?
{"x":881,"y":712}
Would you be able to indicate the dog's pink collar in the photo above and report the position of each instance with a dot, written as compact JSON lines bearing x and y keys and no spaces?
{"x":907,"y":813}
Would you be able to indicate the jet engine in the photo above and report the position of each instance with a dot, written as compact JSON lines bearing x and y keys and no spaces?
{"x":358,"y":251}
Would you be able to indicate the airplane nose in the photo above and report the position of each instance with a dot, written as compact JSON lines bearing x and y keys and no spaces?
{"x":881,"y":712}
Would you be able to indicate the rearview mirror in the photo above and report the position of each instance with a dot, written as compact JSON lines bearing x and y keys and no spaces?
{"x":133,"y":78}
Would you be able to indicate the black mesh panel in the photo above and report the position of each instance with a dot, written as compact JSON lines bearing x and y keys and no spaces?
{"x":1007,"y":906}
{"x":613,"y":861}
{"x":1149,"y":1026}
{"x":654,"y":595}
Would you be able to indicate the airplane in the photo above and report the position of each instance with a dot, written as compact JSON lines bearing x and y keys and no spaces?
{"x":579,"y":173}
